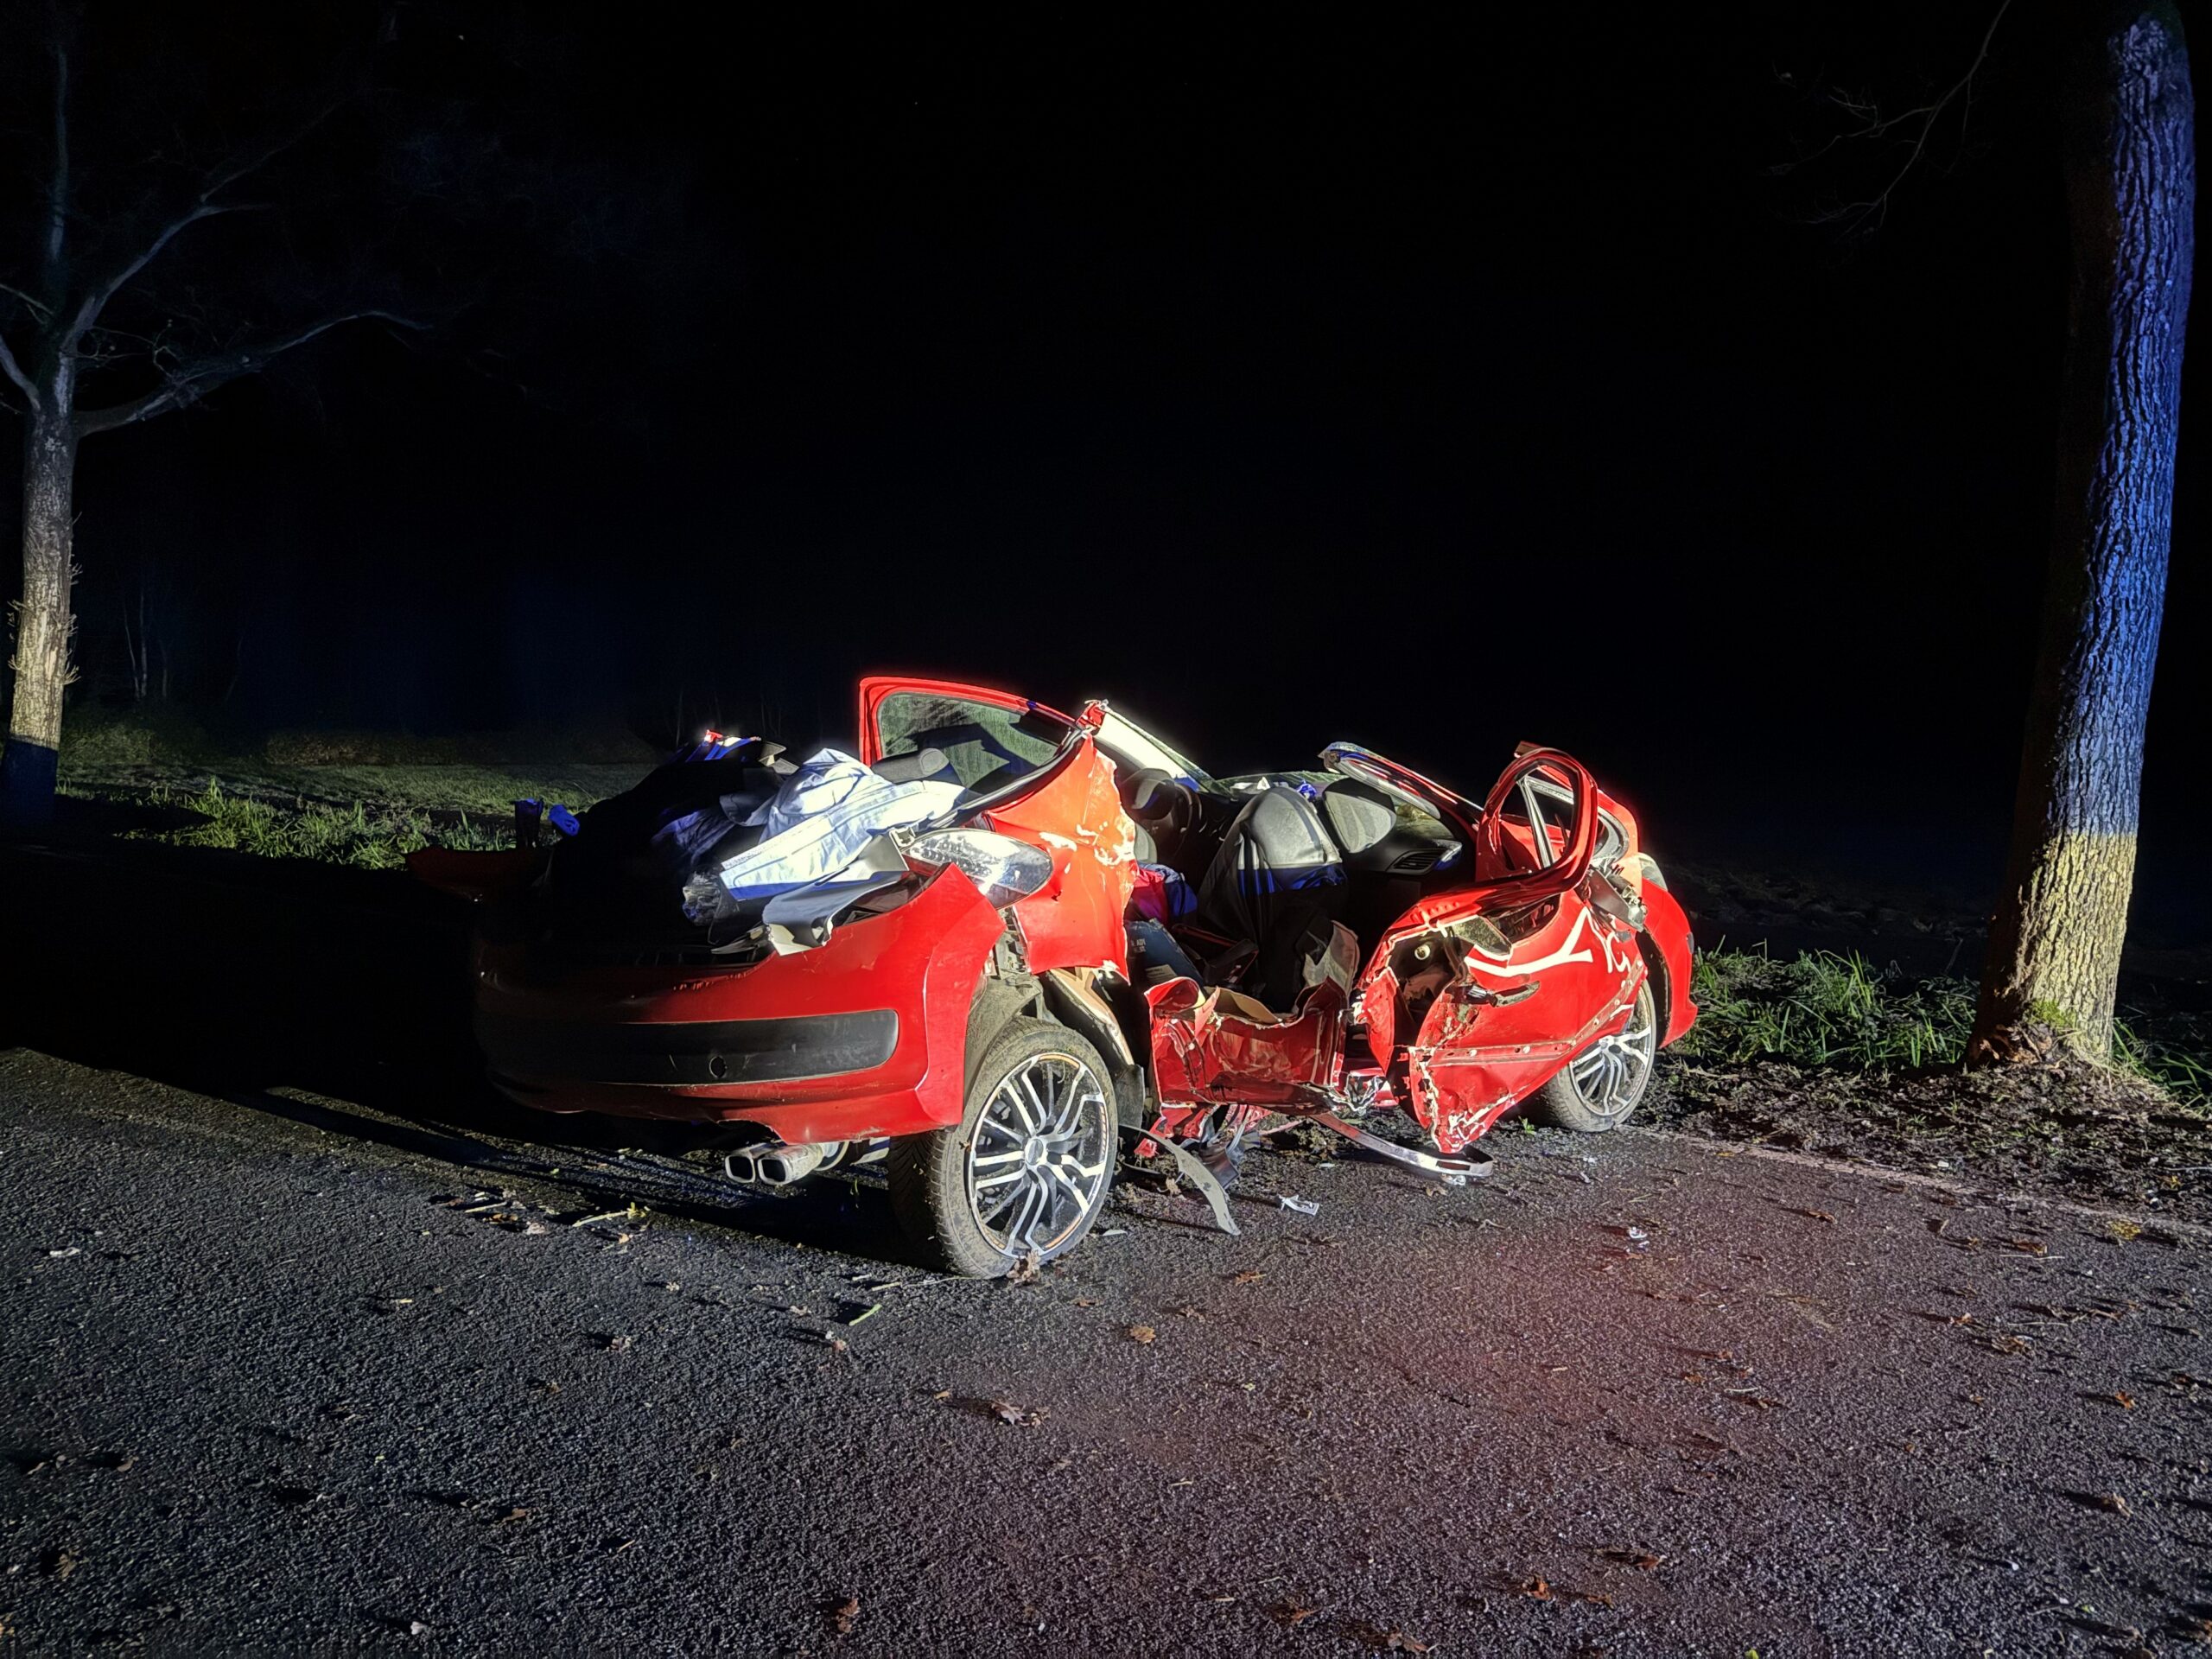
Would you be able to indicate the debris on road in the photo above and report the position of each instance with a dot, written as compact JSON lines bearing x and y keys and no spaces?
{"x":1303,"y":1206}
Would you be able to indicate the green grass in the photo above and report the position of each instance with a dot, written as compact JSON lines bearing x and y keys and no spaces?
{"x":364,"y":837}
{"x":1827,"y":1010}
{"x":1824,"y":1009}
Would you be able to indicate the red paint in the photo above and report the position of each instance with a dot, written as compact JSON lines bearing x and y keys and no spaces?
{"x":1472,"y":1046}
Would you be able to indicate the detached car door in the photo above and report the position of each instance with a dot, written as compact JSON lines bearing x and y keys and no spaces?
{"x":1506,"y":980}
{"x":1038,"y":776}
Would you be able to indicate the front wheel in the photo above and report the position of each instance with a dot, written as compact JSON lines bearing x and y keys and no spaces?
{"x":1024,"y":1175}
{"x":1601,"y":1085}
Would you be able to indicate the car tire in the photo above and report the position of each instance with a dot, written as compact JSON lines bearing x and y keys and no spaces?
{"x":1005,"y":1184}
{"x":1598,"y":1089}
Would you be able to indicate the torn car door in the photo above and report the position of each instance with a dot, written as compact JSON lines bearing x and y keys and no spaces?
{"x":1495,"y":987}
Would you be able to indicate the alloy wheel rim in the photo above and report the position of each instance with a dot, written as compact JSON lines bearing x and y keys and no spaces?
{"x":1610,"y":1073}
{"x":1039,"y":1155}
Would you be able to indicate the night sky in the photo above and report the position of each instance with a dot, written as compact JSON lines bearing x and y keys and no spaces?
{"x":1430,"y":380}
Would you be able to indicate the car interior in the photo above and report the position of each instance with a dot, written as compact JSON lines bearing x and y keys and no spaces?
{"x":1275,"y":869}
{"x":1274,"y":864}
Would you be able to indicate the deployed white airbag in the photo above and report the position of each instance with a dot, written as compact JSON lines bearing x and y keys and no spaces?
{"x":820,"y":820}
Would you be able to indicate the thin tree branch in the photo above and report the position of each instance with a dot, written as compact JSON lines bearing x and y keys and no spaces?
{"x":1874,"y":124}
{"x":15,"y":372}
{"x":57,"y":207}
{"x":41,"y":313}
{"x":187,"y":383}
{"x":97,"y":296}
{"x":203,"y":206}
{"x":254,"y":161}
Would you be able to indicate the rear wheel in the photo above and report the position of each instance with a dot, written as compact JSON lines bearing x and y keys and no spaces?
{"x":1024,"y":1175}
{"x":1601,"y":1085}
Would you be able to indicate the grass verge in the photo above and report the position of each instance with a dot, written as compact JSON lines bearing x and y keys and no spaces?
{"x":362,"y":835}
{"x":1823,"y":1008}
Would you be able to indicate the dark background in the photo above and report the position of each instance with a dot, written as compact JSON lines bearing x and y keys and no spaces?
{"x":1430,"y":379}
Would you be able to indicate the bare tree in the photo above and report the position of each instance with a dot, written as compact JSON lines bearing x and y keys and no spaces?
{"x":90,"y":341}
{"x":2128,"y":122}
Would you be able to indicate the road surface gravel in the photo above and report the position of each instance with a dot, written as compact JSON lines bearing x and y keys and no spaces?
{"x":289,"y":1374}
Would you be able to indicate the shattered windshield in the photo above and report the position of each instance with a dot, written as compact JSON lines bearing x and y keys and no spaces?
{"x":985,"y":745}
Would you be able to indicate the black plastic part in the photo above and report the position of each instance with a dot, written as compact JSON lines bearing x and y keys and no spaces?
{"x":691,"y":1052}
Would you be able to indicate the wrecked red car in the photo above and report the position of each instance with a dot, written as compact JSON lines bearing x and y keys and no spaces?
{"x":999,"y":941}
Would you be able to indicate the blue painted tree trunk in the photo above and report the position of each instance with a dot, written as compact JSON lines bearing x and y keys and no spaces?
{"x":2131,"y":185}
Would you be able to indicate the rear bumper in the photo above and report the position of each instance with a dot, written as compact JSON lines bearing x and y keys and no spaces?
{"x":862,"y":1037}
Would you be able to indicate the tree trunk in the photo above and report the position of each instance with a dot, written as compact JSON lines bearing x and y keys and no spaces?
{"x":2131,"y":185}
{"x":43,"y":621}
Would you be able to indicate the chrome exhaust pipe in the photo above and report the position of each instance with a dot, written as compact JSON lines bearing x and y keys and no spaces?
{"x":778,"y":1164}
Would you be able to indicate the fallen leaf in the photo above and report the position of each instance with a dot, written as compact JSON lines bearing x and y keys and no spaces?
{"x":2110,"y":1502}
{"x":1810,"y":1215}
{"x":614,"y":1345}
{"x":1142,"y":1333}
{"x":1290,"y":1615}
{"x":1643,"y":1559}
{"x":844,"y":1613}
{"x":1752,"y":1397}
{"x":1536,"y":1589}
{"x":2004,"y":1344}
{"x":1392,"y":1641}
{"x":2124,"y":1229}
{"x":1249,"y":1276}
{"x":2028,"y":1246}
{"x":59,"y":1563}
{"x":1007,"y":1412}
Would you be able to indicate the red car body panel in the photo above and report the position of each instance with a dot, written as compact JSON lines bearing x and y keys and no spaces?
{"x":1216,"y":1046}
{"x":1539,"y":952}
{"x":923,"y":969}
{"x":1075,"y":920}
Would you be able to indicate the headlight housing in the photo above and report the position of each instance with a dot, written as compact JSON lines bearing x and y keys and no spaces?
{"x":1003,"y":868}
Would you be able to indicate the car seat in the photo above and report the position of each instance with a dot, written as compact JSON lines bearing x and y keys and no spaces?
{"x":1273,"y":891}
{"x":1165,"y":810}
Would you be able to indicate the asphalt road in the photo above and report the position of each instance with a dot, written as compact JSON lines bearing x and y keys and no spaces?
{"x":287,"y":1375}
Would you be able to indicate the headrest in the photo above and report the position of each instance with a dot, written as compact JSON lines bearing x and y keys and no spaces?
{"x":910,"y":769}
{"x":1359,"y":814}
